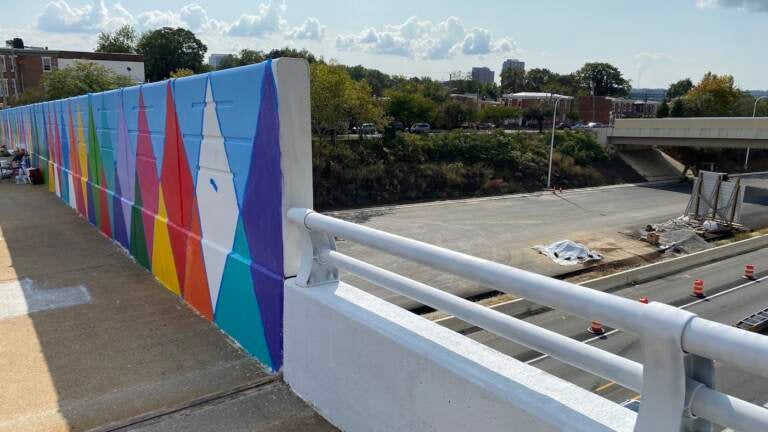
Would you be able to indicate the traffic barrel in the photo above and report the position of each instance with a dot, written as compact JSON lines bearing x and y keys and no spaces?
{"x":643,"y":300}
{"x":749,"y":271}
{"x":596,"y":328}
{"x":698,"y":288}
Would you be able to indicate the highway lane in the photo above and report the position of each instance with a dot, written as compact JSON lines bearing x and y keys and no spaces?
{"x":504,"y":229}
{"x":730,"y":299}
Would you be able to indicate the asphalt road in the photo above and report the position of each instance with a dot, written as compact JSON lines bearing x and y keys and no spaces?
{"x":504,"y":229}
{"x":724,"y":306}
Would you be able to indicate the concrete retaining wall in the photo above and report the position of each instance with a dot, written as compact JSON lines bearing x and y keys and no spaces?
{"x":368,"y":365}
{"x":192,"y":177}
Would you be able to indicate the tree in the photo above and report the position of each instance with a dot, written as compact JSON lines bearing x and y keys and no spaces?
{"x":537,"y":78}
{"x":714,"y":95}
{"x":537,"y":113}
{"x":122,"y":40}
{"x":498,"y":114}
{"x":678,"y":108}
{"x":603,"y":79}
{"x":512,"y":80}
{"x":167,"y":49}
{"x":379,"y":81}
{"x":338,"y":101}
{"x":82,"y":78}
{"x":410,"y":108}
{"x":180,"y":73}
{"x":663,"y":110}
{"x":228,"y":61}
{"x":679,"y":88}
{"x":453,"y":114}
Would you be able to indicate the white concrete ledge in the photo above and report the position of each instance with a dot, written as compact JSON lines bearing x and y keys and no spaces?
{"x":367,"y":365}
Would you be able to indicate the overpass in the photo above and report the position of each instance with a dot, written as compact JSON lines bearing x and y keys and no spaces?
{"x":704,"y":132}
{"x":207,"y":182}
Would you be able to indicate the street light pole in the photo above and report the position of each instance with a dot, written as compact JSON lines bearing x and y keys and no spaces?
{"x":754,"y":112}
{"x":552,"y":145}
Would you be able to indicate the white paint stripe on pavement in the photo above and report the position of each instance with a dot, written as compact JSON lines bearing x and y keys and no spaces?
{"x":24,"y":297}
{"x":685,"y":306}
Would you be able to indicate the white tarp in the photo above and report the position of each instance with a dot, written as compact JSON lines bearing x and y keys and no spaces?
{"x":567,"y":252}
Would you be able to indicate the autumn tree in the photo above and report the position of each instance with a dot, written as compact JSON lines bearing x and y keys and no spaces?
{"x":715,"y":95}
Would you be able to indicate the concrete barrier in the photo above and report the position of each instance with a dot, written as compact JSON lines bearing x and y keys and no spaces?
{"x":192,"y":176}
{"x":522,"y":307}
{"x":367,"y":365}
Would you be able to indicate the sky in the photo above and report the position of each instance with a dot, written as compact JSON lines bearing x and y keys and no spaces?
{"x":653,"y":42}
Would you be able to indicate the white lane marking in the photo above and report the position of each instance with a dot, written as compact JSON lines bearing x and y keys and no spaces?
{"x":685,"y":306}
{"x":24,"y":297}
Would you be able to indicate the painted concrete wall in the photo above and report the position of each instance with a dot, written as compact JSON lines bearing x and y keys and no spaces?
{"x":134,"y":70}
{"x":368,"y":365}
{"x":191,"y":176}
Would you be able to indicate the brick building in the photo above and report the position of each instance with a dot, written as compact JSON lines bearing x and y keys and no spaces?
{"x":525,"y":100}
{"x":605,"y":109}
{"x":23,"y":68}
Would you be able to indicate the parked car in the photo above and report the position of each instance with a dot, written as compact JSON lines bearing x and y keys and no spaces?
{"x":563,"y":126}
{"x":368,"y":129}
{"x":397,"y":126}
{"x":594,"y":125}
{"x":486,"y":126}
{"x":420,"y":128}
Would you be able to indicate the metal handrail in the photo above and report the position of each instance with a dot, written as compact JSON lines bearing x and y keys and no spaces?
{"x":616,"y":311}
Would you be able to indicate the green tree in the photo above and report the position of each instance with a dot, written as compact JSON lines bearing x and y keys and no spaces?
{"x":498,"y":114}
{"x":122,"y":40}
{"x":537,"y":113}
{"x":679,"y":88}
{"x":337,"y":101}
{"x":663,"y":110}
{"x":567,"y":84}
{"x":289,"y":52}
{"x":453,"y":114}
{"x":678,"y":108}
{"x":410,"y":108}
{"x":82,"y":78}
{"x":537,"y":78}
{"x":603,"y":79}
{"x":714,"y":95}
{"x":168,"y":49}
{"x":512,"y":80}
{"x":180,"y":73}
{"x":379,"y":81}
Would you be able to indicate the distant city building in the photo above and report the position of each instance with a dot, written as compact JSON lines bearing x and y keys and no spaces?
{"x":459,"y":76}
{"x":482,"y":75}
{"x":215,"y":59}
{"x":651,"y":94}
{"x":513,"y":64}
{"x":605,"y":109}
{"x":525,"y":100}
{"x":22,"y":68}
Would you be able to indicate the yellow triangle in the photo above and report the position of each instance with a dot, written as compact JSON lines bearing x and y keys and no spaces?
{"x":163,"y":266}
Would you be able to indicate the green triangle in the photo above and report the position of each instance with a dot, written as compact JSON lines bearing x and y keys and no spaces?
{"x":138,"y":240}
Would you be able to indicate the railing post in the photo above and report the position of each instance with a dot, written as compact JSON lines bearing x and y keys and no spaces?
{"x":313,"y":270}
{"x":664,"y":373}
{"x":702,"y":370}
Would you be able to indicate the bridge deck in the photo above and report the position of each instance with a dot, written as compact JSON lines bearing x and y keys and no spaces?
{"x":90,"y":339}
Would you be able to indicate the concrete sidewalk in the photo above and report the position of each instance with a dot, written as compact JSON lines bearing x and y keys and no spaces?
{"x":90,"y":340}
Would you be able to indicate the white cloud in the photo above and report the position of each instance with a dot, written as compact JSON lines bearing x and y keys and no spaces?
{"x":748,"y":5}
{"x":311,"y":29}
{"x":59,"y":17}
{"x":425,"y":40}
{"x":269,"y":19}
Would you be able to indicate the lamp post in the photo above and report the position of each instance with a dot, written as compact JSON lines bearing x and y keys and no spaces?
{"x":552,"y":144}
{"x":754,"y":112}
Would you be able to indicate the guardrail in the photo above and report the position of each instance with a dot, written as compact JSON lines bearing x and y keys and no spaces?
{"x":676,"y":378}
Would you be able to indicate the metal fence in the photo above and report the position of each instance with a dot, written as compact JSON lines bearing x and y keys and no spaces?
{"x":676,"y":378}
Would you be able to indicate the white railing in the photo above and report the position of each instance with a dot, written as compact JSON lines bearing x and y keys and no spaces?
{"x":678,"y":347}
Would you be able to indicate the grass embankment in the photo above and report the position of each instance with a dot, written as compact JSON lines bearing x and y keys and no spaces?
{"x":409,"y":168}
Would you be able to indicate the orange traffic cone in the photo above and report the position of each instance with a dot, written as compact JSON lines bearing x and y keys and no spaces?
{"x":698,"y":288}
{"x":596,"y":328}
{"x":749,"y":271}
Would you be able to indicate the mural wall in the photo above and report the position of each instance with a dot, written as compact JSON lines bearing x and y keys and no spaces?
{"x":186,"y":175}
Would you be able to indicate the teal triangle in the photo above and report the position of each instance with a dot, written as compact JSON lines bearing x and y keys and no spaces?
{"x":237,"y":310}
